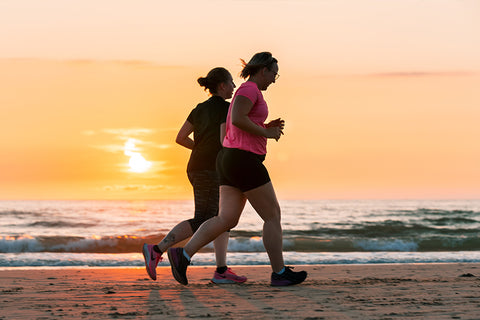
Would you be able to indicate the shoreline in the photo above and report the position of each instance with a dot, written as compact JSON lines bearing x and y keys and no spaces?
{"x":238,"y":265}
{"x":360,"y":291}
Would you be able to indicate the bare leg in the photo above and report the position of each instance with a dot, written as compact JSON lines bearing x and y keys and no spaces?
{"x":232,"y":202}
{"x":221,"y":245}
{"x":180,"y":232}
{"x":265,"y":203}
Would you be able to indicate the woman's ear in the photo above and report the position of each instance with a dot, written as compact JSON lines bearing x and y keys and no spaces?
{"x":265,"y":69}
{"x":221,"y":86}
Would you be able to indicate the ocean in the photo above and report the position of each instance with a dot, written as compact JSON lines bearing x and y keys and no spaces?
{"x":111,"y":233}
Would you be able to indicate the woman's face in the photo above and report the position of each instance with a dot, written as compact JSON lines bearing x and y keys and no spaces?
{"x":229,"y":86}
{"x":270,"y":75}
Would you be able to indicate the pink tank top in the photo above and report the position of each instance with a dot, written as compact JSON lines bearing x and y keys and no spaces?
{"x":239,"y":139}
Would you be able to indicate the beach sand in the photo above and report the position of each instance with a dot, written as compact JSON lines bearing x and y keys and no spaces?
{"x":397,"y":291}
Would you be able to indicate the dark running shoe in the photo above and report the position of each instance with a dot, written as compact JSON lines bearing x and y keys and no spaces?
{"x":288,"y":277}
{"x":179,"y":264}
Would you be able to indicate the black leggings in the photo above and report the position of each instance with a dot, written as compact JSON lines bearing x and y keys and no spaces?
{"x":206,"y":194}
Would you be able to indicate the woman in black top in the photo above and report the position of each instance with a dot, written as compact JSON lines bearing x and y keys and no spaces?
{"x":207,"y":122}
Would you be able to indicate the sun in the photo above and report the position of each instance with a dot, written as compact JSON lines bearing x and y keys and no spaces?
{"x":137,"y":162}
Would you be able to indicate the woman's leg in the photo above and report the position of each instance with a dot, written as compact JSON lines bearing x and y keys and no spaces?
{"x":206,"y":198}
{"x":221,"y":245}
{"x":205,"y":193}
{"x":180,"y":232}
{"x":232,"y":202}
{"x":265,"y":203}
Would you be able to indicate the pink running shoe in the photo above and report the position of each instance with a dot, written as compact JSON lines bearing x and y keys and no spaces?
{"x":152,"y":259}
{"x":227,"y":277}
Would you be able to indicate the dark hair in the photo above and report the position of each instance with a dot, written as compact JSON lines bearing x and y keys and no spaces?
{"x":258,"y":62}
{"x":214,"y":78}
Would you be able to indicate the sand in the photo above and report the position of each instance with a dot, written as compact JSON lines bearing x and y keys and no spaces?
{"x":397,"y":291}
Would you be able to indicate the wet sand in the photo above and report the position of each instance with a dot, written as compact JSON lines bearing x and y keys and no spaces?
{"x":397,"y":291}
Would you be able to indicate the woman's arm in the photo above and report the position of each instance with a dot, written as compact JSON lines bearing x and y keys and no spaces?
{"x":223,"y":129}
{"x":240,"y":109}
{"x":183,"y":138}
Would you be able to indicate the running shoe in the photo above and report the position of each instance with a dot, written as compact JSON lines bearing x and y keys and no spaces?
{"x":179,"y":264}
{"x":227,"y":277}
{"x":288,"y":277}
{"x":152,"y":259}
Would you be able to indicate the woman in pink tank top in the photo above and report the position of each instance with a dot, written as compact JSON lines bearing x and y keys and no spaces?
{"x":243,"y":176}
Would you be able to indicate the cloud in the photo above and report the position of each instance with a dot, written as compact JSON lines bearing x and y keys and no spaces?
{"x":114,"y":148}
{"x":120,"y":148}
{"x":135,"y":187}
{"x":419,"y":74}
{"x":151,"y":144}
{"x":86,"y":62}
{"x":125,"y":63}
{"x":162,"y":146}
{"x":130,"y":132}
{"x":129,"y":137}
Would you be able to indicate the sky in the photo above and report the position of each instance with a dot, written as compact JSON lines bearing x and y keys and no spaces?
{"x":380,"y":98}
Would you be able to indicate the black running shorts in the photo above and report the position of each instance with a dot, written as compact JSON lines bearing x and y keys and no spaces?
{"x":241,"y":169}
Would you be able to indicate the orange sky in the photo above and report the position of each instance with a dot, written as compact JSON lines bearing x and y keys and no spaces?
{"x":380,"y":98}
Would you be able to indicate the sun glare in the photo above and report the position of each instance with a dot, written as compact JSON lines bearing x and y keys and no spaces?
{"x":137,"y":162}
